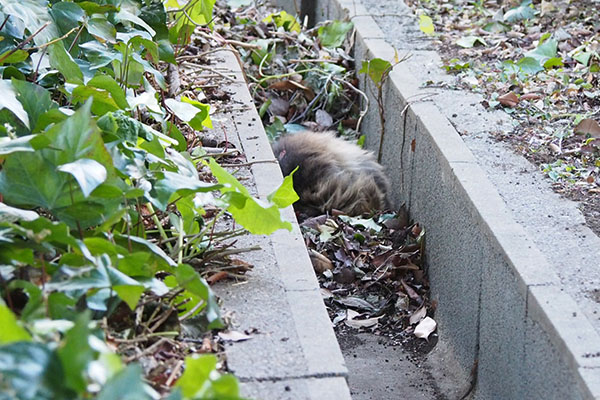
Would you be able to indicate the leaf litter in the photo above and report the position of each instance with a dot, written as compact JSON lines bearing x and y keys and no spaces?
{"x":540,"y":62}
{"x":375,"y":281}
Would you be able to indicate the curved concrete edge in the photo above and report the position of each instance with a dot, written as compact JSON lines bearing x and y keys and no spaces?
{"x":499,"y":304}
{"x":293,"y":353}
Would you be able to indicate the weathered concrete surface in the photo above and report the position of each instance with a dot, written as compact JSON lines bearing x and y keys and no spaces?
{"x":292,"y":353}
{"x":514,"y":286}
{"x":378,"y":370}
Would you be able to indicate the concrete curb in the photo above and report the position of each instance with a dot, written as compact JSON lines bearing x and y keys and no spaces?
{"x":293,"y":352}
{"x":500,"y":305}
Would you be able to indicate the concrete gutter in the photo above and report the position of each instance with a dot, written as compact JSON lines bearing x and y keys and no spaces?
{"x":503,"y":308}
{"x":293,"y":352}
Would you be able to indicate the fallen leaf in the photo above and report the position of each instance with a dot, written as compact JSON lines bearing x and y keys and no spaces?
{"x":426,"y":25}
{"x":509,"y":99}
{"x":425,"y":328}
{"x":279,"y":106}
{"x":357,"y":303}
{"x":531,"y":96}
{"x":588,"y":126}
{"x":326,"y":293}
{"x":320,"y":262}
{"x":410,"y":291}
{"x":283,"y":85}
{"x":217,"y":277}
{"x":418,"y":315}
{"x":547,"y":7}
{"x":234,"y":336}
{"x":359,"y":323}
{"x":402,"y":302}
{"x":470,"y":41}
{"x":323,"y":118}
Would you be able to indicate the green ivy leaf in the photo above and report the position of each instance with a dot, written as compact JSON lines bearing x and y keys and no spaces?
{"x":191,"y":111}
{"x":88,"y":173}
{"x":15,"y":57}
{"x":196,"y":373}
{"x":124,"y":15}
{"x":101,"y":29}
{"x":9,"y":101}
{"x":553,"y":62}
{"x":252,"y":214}
{"x":522,"y":12}
{"x":12,"y":214}
{"x":11,"y":331}
{"x":63,"y":62}
{"x":190,"y":280}
{"x":35,"y":99}
{"x":67,"y":15}
{"x":470,"y":41}
{"x":530,"y":65}
{"x":102,"y":101}
{"x":546,"y":50}
{"x":32,"y":179}
{"x":284,"y":20}
{"x":426,"y":25}
{"x":127,"y":384}
{"x":376,"y":69}
{"x":334,"y":33}
{"x":130,"y":294}
{"x":44,"y":382}
{"x":163,"y":189}
{"x":76,"y":353}
{"x":106,"y":82}
{"x":285,"y":195}
{"x":99,"y":55}
{"x":23,"y":143}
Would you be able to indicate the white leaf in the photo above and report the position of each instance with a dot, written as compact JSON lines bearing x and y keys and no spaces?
{"x":425,"y":328}
{"x":234,"y":336}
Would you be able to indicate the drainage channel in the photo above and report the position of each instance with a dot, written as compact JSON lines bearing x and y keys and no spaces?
{"x":291,"y":351}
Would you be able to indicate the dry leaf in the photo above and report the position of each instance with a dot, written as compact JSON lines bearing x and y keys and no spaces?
{"x":323,"y":118}
{"x":509,"y":99}
{"x":425,"y":328}
{"x":326,"y":294}
{"x":282,"y":85}
{"x":279,"y":106}
{"x":319,"y":261}
{"x":588,"y":126}
{"x":547,"y":7}
{"x":233,"y":336}
{"x":416,"y":230}
{"x":359,"y":323}
{"x":418,"y":315}
{"x":531,"y":96}
{"x":217,"y":277}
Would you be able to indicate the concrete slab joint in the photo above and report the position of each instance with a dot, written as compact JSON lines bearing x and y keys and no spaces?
{"x":502,"y":305}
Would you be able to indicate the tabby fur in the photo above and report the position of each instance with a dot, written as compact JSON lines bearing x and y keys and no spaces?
{"x":333,"y":174}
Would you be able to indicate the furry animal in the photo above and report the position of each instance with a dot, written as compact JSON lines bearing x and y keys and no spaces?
{"x":333,"y":174}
